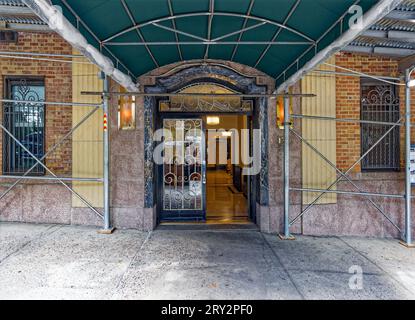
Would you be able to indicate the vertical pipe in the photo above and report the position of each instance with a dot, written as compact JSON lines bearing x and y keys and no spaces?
{"x":107,"y":217}
{"x":287,"y":234}
{"x":408,"y":211}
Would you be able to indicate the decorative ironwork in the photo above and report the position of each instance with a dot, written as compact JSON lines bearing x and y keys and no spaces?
{"x":183,"y":174}
{"x":209,"y":103}
{"x":206,"y":104}
{"x":380,"y":103}
{"x":26,"y":121}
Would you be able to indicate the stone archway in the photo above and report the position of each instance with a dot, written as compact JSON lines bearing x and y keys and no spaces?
{"x":172,"y":79}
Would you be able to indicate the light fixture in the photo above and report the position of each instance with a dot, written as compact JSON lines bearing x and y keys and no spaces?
{"x":213,"y":121}
{"x":280,"y":113}
{"x":281,"y":117}
{"x":126,"y":112}
{"x":411,"y":83}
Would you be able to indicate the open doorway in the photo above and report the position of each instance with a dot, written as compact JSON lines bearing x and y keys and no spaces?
{"x":227,"y":189}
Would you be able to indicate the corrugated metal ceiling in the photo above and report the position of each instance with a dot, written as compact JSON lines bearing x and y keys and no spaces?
{"x":395,"y":31}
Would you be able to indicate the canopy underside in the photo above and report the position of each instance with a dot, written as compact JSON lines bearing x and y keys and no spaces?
{"x":276,"y":37}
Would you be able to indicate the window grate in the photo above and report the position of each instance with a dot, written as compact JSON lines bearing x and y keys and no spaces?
{"x":380,"y":103}
{"x":8,"y":36}
{"x":26,"y":122}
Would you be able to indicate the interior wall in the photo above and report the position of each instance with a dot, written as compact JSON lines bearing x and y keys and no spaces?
{"x":227,"y":123}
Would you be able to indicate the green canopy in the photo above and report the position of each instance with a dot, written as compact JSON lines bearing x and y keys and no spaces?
{"x":275,"y":36}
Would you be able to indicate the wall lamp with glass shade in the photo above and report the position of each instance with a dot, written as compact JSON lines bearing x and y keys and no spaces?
{"x":126,"y":112}
{"x":280,"y":112}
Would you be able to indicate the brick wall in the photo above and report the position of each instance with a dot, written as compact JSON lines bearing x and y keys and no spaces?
{"x":58,"y":84}
{"x":348,"y":103}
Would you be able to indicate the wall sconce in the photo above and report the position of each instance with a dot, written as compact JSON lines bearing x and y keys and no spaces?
{"x":126,"y":112}
{"x":213,"y":121}
{"x":280,"y":112}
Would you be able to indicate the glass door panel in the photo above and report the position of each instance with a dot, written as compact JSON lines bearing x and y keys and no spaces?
{"x":183,"y":170}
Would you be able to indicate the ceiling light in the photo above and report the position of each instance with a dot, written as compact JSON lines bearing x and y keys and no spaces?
{"x":213,"y":121}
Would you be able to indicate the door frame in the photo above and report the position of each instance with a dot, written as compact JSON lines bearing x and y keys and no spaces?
{"x":252,"y":180}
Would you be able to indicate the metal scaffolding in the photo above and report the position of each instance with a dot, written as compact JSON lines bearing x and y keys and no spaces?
{"x":40,"y":161}
{"x":72,"y":34}
{"x":408,"y":185}
{"x":288,"y":131}
{"x":406,"y":233}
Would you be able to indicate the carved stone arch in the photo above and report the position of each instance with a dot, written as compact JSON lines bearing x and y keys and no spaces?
{"x":177,"y":78}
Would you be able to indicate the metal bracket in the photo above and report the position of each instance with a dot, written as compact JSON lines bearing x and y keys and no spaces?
{"x":106,"y":231}
{"x":406,"y":245}
{"x":284,"y":238}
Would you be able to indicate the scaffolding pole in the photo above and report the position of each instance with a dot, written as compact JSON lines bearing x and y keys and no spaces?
{"x":408,"y":185}
{"x":108,"y":229}
{"x":202,"y":95}
{"x":287,"y":126}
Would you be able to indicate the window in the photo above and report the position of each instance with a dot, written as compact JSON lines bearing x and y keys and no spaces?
{"x":8,"y":36}
{"x":379,"y":102}
{"x":26,"y":122}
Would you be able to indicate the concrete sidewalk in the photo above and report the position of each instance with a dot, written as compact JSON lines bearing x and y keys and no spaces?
{"x":63,"y":262}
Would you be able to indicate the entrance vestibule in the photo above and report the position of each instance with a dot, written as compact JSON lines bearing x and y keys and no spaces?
{"x":206,"y":141}
{"x":227,"y":187}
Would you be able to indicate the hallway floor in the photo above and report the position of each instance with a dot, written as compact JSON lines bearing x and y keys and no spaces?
{"x":224,"y":203}
{"x":65,"y":262}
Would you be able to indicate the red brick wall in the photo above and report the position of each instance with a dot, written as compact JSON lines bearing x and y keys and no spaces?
{"x":348,"y":103}
{"x":58,"y":83}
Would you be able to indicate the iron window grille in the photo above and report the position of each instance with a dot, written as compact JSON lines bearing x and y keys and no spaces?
{"x":8,"y":36}
{"x":26,"y":122}
{"x":380,"y":102}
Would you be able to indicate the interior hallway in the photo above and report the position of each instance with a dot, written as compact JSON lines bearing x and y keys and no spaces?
{"x":224,"y":203}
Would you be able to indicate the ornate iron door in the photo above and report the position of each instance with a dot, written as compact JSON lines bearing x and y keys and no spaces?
{"x":183,"y":175}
